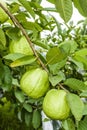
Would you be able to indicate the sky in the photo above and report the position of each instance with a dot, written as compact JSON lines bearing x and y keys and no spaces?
{"x":75,"y":17}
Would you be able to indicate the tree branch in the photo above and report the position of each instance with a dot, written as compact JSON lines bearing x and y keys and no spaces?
{"x":16,"y":23}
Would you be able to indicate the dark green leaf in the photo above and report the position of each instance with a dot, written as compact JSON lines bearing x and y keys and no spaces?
{"x":36,"y":120}
{"x":28,"y":118}
{"x":20,"y":96}
{"x":75,"y":84}
{"x":7,"y":81}
{"x":27,"y":107}
{"x":76,"y":105}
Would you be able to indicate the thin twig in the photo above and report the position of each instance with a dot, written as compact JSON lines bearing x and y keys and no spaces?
{"x":63,"y":88}
{"x":16,"y":23}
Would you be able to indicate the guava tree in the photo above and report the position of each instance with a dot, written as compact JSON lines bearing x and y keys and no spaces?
{"x":43,"y":65}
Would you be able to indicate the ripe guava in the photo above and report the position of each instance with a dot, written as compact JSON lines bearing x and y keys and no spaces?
{"x":55,"y":105}
{"x":35,"y":82}
{"x":3,"y":15}
{"x":20,"y":46}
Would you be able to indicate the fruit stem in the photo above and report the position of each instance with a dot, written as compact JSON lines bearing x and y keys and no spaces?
{"x":17,"y":24}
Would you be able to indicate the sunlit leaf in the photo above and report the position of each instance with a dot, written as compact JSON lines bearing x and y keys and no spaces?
{"x":64,"y":8}
{"x":76,"y":105}
{"x":75,"y":84}
{"x":28,"y":7}
{"x":55,"y":55}
{"x":23,"y":61}
{"x":68,"y":124}
{"x":2,"y":38}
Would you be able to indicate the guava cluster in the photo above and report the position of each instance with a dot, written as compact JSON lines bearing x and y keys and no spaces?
{"x":35,"y":84}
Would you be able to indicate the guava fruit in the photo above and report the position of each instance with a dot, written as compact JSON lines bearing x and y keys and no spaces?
{"x":20,"y":46}
{"x":35,"y":82}
{"x":3,"y":15}
{"x":55,"y":105}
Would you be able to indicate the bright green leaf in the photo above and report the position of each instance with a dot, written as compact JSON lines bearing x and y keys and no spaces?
{"x":23,"y":61}
{"x":13,"y":56}
{"x":84,"y":94}
{"x":64,"y":8}
{"x":55,"y":55}
{"x":76,"y":105}
{"x":27,"y":6}
{"x":2,"y":38}
{"x":75,"y":84}
{"x":68,"y":124}
{"x":85,"y":109}
{"x":55,"y":79}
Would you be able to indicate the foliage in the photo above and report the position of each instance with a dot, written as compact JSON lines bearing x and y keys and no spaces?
{"x":62,"y":51}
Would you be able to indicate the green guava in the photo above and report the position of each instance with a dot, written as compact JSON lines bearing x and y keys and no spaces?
{"x":55,"y":105}
{"x":3,"y":15}
{"x":20,"y":46}
{"x":35,"y":82}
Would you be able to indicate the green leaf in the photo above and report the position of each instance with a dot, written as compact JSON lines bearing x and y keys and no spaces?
{"x":55,"y":55}
{"x":68,"y":46}
{"x":78,"y":6}
{"x":7,"y":81}
{"x":85,"y":109}
{"x":2,"y":38}
{"x":27,"y":6}
{"x":54,"y":68}
{"x":36,"y":120}
{"x":76,"y":105}
{"x":27,"y":107}
{"x":75,"y":84}
{"x":23,"y":61}
{"x":81,"y":59}
{"x":13,"y":33}
{"x":68,"y":124}
{"x":83,"y":4}
{"x":82,"y":52}
{"x":78,"y":64}
{"x":13,"y":56}
{"x":20,"y":96}
{"x":83,"y":124}
{"x":84,"y":94}
{"x":28,"y":118}
{"x":51,"y":1}
{"x":55,"y":79}
{"x":64,"y":8}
